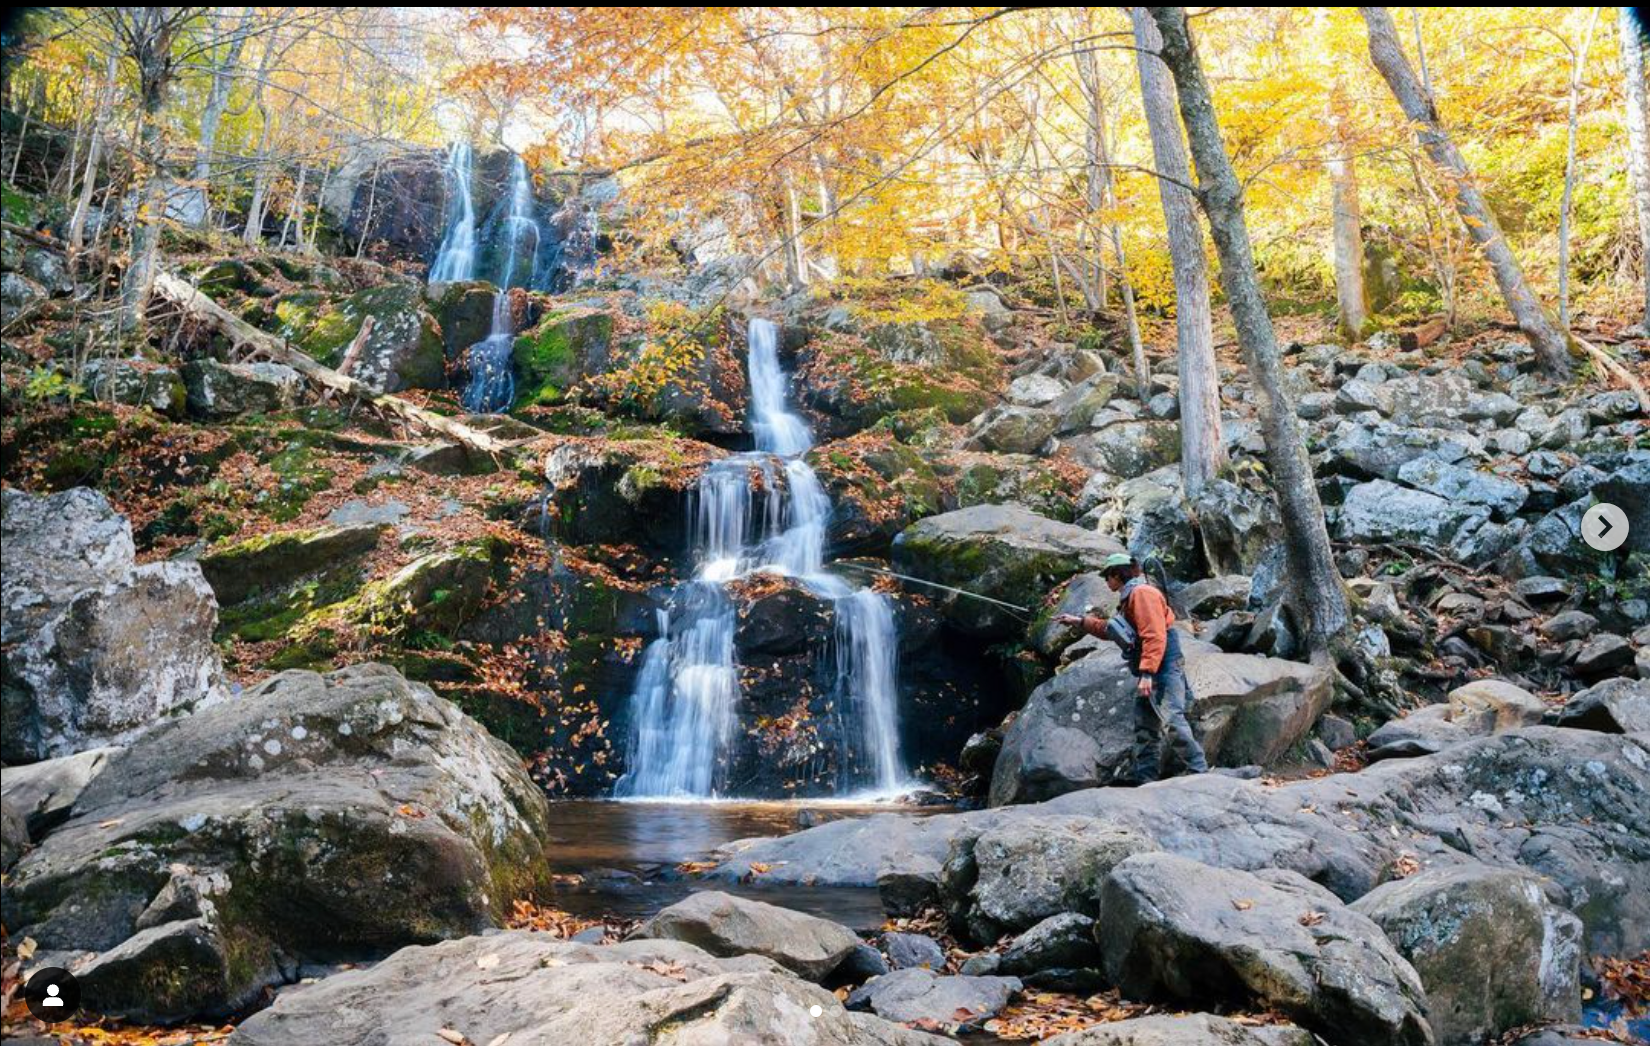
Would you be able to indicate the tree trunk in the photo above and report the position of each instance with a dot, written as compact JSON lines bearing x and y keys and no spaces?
{"x":1202,"y":448}
{"x":1551,"y":346}
{"x":294,"y":209}
{"x":94,"y":155}
{"x":1578,"y":65}
{"x":1638,"y":139}
{"x":154,"y":77}
{"x":1348,"y":226}
{"x":217,"y":100}
{"x":1317,"y":584}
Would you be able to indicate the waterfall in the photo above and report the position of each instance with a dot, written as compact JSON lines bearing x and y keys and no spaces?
{"x":686,"y":702}
{"x":492,"y":381}
{"x":456,"y":258}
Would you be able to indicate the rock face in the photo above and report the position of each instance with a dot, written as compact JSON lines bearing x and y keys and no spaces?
{"x":104,"y":649}
{"x":623,"y":490}
{"x":313,"y":815}
{"x":1077,"y":730}
{"x":1618,"y":706}
{"x":1020,"y":872}
{"x":1005,"y":552}
{"x":725,"y":925}
{"x":1180,"y":930}
{"x":534,"y":988}
{"x":1492,"y":952}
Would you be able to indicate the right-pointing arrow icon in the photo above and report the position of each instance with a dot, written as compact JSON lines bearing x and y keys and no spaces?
{"x":1604,"y":527}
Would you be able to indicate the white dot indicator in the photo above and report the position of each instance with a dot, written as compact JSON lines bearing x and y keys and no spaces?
{"x":815,"y":1010}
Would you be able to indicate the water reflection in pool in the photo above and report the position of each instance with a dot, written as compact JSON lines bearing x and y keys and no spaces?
{"x":622,"y":858}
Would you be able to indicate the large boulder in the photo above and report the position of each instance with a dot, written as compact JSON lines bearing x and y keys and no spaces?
{"x":316,"y":814}
{"x":112,"y":662}
{"x":1013,"y":429}
{"x":404,"y":350}
{"x":1127,"y":448}
{"x":56,"y":546}
{"x":1077,"y":730}
{"x":135,"y":383}
{"x":1503,"y":497}
{"x":568,"y":345}
{"x":1618,"y":706}
{"x":923,"y":997}
{"x":1021,"y":871}
{"x":265,"y":564}
{"x":42,"y":794}
{"x":1175,"y":929}
{"x":1005,"y":552}
{"x":529,"y":987}
{"x":1379,"y":512}
{"x":225,"y":390}
{"x":725,"y":925}
{"x":629,"y":490}
{"x":1491,"y":950}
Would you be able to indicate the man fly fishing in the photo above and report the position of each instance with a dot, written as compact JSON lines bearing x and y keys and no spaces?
{"x":1141,"y":627}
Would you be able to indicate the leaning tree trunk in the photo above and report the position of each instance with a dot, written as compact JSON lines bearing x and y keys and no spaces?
{"x":1638,"y":139}
{"x":94,"y":155}
{"x":1202,"y":448}
{"x":1551,"y":346}
{"x":1317,"y":584}
{"x":139,"y":278}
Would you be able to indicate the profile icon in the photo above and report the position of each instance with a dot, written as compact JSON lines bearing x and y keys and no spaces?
{"x":52,"y":994}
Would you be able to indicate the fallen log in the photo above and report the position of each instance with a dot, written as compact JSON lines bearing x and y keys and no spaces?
{"x":1424,"y":335}
{"x":241,"y":333}
{"x":1611,"y":366}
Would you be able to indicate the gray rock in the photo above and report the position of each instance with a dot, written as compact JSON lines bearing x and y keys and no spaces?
{"x":1358,"y":395}
{"x":725,"y":925}
{"x":1035,"y":390}
{"x":1006,"y":552}
{"x":1182,"y":931}
{"x":863,"y":963}
{"x":1198,"y":1029}
{"x":113,"y":662}
{"x":908,"y":996}
{"x":44,"y":793}
{"x":1629,"y":487}
{"x":1077,"y":405}
{"x":1424,"y":731}
{"x":354,"y":811}
{"x":1214,"y":596}
{"x":1127,"y":448}
{"x":1379,"y":512}
{"x":535,"y":988}
{"x":1240,"y":527}
{"x":911,"y":950}
{"x":18,"y":292}
{"x":1492,"y":952}
{"x":1615,"y":706}
{"x":1336,"y":732}
{"x":1061,"y":941}
{"x":1603,"y":654}
{"x":1009,"y":429}
{"x":57,"y":546}
{"x":1027,"y":870}
{"x":1379,"y":450}
{"x":134,"y":383}
{"x":1077,"y":729}
{"x":14,"y":836}
{"x":1083,"y":594}
{"x":1503,"y":497}
{"x":266,"y":564}
{"x":226,"y":390}
{"x":1571,"y":624}
{"x":1504,"y":705}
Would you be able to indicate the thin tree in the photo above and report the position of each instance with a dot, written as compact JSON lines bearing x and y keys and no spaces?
{"x":1346,"y":215}
{"x":1551,"y":346}
{"x":1638,"y":138}
{"x":1202,"y":448}
{"x":1317,"y":584}
{"x":224,"y":72}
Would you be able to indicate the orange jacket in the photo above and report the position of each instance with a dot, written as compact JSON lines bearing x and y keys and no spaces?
{"x":1149,"y":613}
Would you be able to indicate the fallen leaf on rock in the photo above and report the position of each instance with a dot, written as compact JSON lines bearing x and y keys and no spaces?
{"x":695,"y":867}
{"x":1311,"y":918}
{"x":453,"y":1036}
{"x":499,"y":1040}
{"x":1243,"y":906}
{"x":111,"y":823}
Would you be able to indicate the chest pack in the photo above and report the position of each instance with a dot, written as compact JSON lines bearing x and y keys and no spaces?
{"x":1118,"y":629}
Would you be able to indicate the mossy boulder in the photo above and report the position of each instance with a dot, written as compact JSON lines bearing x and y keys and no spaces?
{"x":315,"y":816}
{"x":1127,"y":449}
{"x":266,"y":564}
{"x":567,"y":345}
{"x":404,"y":350}
{"x":465,"y":312}
{"x":1005,"y":552}
{"x":878,"y":487}
{"x":628,"y":488}
{"x":1046,"y":487}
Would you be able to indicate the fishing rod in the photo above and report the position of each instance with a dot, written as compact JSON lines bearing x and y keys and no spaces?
{"x":935,"y":584}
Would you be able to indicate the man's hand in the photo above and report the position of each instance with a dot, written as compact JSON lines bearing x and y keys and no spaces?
{"x":1145,"y":686}
{"x":1068,"y":619}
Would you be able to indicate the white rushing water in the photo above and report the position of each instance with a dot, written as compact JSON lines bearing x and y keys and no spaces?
{"x":492,"y":379}
{"x":686,"y":703}
{"x":456,"y":258}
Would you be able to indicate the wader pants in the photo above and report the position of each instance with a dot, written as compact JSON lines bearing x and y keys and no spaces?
{"x":1165,"y":712}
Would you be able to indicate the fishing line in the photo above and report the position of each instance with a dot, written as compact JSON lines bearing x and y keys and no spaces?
{"x":1023,"y":613}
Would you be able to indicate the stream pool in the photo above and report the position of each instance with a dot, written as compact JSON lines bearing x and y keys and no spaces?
{"x":622,"y":858}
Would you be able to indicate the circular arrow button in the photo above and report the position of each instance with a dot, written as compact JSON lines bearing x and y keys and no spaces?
{"x":1604,"y":527}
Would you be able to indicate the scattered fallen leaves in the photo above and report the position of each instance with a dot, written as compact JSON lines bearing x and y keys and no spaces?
{"x":1312,"y":918}
{"x":1406,"y":865}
